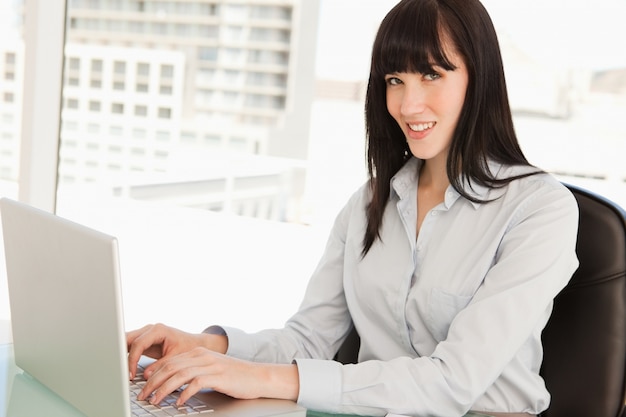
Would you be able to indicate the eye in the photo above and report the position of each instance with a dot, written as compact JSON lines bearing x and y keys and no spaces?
{"x":391,"y":80}
{"x":432,"y":76}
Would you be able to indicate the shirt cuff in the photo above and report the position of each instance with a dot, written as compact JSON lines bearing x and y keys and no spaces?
{"x":240,"y":344}
{"x":320,"y":384}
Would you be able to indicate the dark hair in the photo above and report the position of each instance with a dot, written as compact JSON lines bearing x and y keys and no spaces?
{"x":411,"y":39}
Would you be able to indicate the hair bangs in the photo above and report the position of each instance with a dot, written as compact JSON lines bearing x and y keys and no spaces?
{"x":412,"y":40}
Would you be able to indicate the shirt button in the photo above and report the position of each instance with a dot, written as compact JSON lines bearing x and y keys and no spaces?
{"x":435,"y":213}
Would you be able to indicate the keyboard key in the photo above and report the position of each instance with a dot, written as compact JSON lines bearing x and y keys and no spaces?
{"x":167,"y":407}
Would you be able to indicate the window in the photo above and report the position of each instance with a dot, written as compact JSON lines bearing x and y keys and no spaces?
{"x":69,"y":126}
{"x":119,"y":68}
{"x":94,"y":106}
{"x":9,"y":97}
{"x":116,"y":130}
{"x":143,"y":69}
{"x":165,"y":113}
{"x":139,"y":133}
{"x":138,"y":152}
{"x":9,"y":58}
{"x":117,"y":108}
{"x":189,"y":137}
{"x":74,"y":64}
{"x":96,"y":66}
{"x":167,"y":71}
{"x":141,"y":110}
{"x":163,"y":136}
{"x":207,"y":54}
{"x":7,"y":118}
{"x":201,"y":103}
{"x":71,"y":103}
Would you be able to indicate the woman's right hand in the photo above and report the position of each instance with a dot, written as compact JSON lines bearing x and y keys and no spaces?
{"x":159,"y":341}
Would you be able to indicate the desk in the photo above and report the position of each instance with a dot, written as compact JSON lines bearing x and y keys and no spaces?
{"x":21,"y":396}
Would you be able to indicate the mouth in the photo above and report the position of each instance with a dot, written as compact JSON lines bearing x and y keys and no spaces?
{"x":422,"y":127}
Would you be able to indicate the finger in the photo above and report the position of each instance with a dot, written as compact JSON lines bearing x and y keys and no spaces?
{"x":133,"y":334}
{"x":150,"y":368}
{"x":166,"y":380}
{"x":141,"y":343}
{"x":134,"y":354}
{"x":195,"y":385}
{"x":156,"y":374}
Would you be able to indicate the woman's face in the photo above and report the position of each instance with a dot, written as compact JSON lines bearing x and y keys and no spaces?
{"x":427,"y":106}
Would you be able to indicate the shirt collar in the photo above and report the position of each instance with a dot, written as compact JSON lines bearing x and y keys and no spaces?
{"x":404,"y":182}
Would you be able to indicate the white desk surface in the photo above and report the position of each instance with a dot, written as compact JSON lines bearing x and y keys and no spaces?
{"x":21,"y":396}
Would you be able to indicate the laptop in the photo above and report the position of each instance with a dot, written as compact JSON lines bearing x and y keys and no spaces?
{"x":67,"y":317}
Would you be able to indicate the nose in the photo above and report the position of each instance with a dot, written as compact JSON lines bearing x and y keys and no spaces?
{"x":413,"y":100}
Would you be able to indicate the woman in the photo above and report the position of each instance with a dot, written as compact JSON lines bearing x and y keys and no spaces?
{"x":446,"y":261}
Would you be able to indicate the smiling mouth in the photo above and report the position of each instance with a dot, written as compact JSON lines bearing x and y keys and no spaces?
{"x":421,"y":127}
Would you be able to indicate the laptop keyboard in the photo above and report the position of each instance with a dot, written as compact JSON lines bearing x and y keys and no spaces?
{"x":167,"y":407}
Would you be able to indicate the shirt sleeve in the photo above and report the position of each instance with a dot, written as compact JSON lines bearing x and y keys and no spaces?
{"x":534,"y":261}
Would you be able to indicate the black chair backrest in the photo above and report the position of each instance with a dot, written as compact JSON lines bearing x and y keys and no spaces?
{"x":585,"y":339}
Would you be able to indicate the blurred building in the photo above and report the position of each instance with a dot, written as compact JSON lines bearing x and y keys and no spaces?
{"x":11,"y":80}
{"x":155,"y":92}
{"x":245,"y":63}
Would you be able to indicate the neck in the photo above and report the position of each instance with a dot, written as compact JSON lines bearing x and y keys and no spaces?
{"x":433,"y":175}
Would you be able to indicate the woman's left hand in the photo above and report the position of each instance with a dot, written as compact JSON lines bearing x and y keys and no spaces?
{"x":201,"y":368}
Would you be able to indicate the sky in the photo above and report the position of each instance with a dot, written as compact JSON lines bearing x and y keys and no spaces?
{"x":572,"y":33}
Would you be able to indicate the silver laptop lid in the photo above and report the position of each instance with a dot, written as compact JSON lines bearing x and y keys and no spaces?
{"x":66,"y":308}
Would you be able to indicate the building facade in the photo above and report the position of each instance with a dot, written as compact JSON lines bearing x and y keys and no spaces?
{"x":155,"y":92}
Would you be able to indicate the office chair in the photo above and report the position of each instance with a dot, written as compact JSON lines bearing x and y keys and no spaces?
{"x":584,"y":341}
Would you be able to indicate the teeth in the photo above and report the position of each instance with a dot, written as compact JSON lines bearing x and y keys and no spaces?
{"x":422,"y":126}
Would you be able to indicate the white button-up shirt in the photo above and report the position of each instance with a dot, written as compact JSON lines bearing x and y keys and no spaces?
{"x":450,"y":321}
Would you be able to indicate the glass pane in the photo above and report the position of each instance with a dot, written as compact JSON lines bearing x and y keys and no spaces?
{"x":566,"y":76}
{"x":11,"y":82}
{"x":174,"y":138}
{"x":11,"y":87}
{"x":567,"y":87}
{"x":188,"y":125}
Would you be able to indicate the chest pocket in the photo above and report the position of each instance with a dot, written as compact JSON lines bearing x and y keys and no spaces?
{"x":442,"y":309}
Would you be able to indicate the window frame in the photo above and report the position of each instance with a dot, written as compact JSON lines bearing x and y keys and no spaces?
{"x":44,"y":37}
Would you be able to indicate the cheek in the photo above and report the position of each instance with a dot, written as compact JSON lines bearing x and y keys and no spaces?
{"x":459,"y":96}
{"x":452,"y":102}
{"x":393,"y":105}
